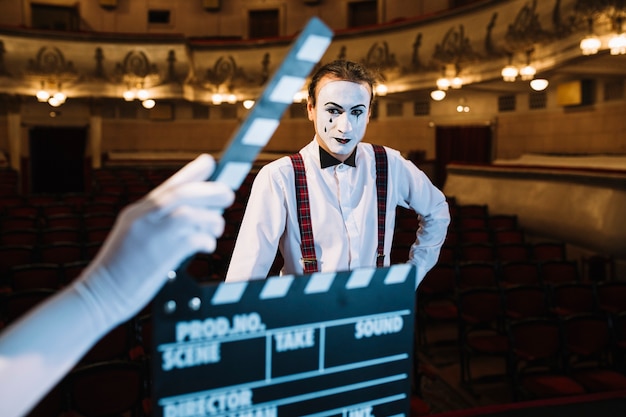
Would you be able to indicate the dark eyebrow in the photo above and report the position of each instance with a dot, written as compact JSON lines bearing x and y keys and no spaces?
{"x":330,"y":103}
{"x":337,"y":105}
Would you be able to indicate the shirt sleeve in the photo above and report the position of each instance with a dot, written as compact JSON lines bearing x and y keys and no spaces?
{"x":434,"y":216}
{"x":262,"y":226}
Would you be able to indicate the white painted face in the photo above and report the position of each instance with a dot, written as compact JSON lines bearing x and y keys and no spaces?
{"x":340,"y":115}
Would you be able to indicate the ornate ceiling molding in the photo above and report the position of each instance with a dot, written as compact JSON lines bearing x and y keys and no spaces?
{"x":455,"y":48}
{"x":50,"y":64}
{"x":409,"y":54}
{"x":136,"y":69}
{"x":526,"y":30}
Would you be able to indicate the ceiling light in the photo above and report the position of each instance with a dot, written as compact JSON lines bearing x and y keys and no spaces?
{"x":54,"y":102}
{"x":231,"y":98}
{"x":443,"y":83}
{"x":142,"y":94}
{"x":129,"y":95}
{"x":539,"y":84}
{"x":457,"y":82}
{"x":148,"y":104}
{"x":217,"y":99}
{"x":590,"y":45}
{"x":247,"y":104}
{"x":381,"y":90}
{"x":528,"y":72}
{"x":43,"y":96}
{"x":617,"y":44}
{"x":509,"y":73}
{"x":438,"y":95}
{"x":60,"y":97}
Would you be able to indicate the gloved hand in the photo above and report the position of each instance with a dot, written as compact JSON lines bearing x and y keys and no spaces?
{"x":180,"y":217}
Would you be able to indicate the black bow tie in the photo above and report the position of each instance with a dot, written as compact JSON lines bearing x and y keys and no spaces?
{"x":327,"y":160}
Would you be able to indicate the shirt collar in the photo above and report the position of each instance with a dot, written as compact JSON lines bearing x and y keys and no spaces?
{"x":327,"y":160}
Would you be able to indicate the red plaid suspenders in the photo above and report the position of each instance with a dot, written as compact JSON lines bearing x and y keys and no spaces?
{"x":381,"y":193}
{"x":304,"y":215}
{"x":304,"y":209}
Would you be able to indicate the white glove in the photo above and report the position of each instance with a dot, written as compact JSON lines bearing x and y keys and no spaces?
{"x":151,"y":237}
{"x":180,"y":217}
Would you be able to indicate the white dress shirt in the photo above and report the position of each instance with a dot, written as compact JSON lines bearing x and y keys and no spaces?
{"x":343,"y":215}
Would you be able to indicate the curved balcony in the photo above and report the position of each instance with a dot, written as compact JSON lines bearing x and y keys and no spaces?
{"x":472,"y":43}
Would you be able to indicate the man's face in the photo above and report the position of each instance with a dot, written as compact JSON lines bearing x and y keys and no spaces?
{"x":340,"y":116}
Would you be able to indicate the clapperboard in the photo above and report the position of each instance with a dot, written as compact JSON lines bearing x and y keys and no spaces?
{"x":326,"y":344}
{"x":317,"y":345}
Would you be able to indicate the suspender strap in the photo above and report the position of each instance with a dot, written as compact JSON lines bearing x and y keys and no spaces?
{"x":307,"y":245}
{"x":381,"y":192}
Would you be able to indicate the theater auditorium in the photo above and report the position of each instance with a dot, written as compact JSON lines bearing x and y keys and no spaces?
{"x":513,"y":108}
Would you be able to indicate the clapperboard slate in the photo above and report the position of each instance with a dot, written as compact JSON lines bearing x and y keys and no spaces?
{"x":324,"y":344}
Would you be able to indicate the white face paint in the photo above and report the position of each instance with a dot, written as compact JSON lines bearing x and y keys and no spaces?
{"x":340,"y":116}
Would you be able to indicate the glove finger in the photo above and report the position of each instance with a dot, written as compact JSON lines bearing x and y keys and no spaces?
{"x":203,"y":243}
{"x":158,"y":247}
{"x":190,"y":230}
{"x":208,"y":195}
{"x":191,"y":221}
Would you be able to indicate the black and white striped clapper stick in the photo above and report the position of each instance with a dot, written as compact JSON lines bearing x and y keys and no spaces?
{"x":263,"y":119}
{"x":325,"y":344}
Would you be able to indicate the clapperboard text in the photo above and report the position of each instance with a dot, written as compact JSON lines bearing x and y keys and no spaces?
{"x":194,"y":345}
{"x":325,"y":345}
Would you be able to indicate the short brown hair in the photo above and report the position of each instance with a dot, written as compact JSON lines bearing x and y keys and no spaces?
{"x":345,"y":71}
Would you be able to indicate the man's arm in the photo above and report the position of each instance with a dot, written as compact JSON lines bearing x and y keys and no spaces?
{"x":261,"y":229}
{"x":434,"y":217}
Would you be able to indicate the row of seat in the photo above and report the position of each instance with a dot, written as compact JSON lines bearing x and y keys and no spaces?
{"x":484,"y":235}
{"x":121,"y":185}
{"x":134,"y":179}
{"x":527,"y":286}
{"x":56,"y":253}
{"x":586,"y":332}
{"x":462,"y":216}
{"x":436,"y":303}
{"x":503,"y":252}
{"x":475,"y":274}
{"x":543,"y":356}
{"x":92,"y":229}
{"x":496,"y":238}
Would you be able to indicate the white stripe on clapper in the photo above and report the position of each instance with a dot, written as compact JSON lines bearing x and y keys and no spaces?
{"x":319,"y":282}
{"x":229,"y":292}
{"x":360,"y":278}
{"x":398,"y":274}
{"x":276,"y":287}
